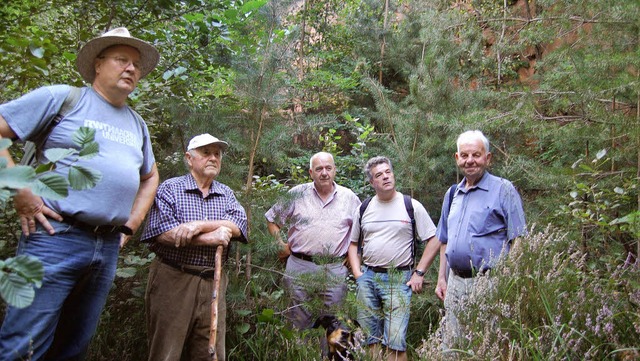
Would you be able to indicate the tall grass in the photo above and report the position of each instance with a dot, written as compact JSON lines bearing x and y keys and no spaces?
{"x":544,"y":302}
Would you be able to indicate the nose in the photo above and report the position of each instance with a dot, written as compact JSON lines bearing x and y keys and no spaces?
{"x":132,"y":68}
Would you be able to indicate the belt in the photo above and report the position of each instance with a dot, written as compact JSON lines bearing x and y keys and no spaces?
{"x":206,"y":273}
{"x":318,"y":259}
{"x":468,"y":273}
{"x":107,"y":228}
{"x":302,"y":256}
{"x":385,"y":270}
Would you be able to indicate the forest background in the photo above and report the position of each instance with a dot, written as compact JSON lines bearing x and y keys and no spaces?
{"x":555,"y":85}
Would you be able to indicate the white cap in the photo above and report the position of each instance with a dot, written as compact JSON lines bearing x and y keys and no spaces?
{"x":206,"y":139}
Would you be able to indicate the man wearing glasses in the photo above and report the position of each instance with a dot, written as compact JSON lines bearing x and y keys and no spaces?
{"x":77,"y":238}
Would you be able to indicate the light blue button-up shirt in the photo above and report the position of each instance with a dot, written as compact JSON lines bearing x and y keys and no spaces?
{"x":480,"y":223}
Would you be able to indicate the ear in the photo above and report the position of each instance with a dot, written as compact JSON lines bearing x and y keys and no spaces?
{"x":324,"y":321}
{"x":97,"y":63}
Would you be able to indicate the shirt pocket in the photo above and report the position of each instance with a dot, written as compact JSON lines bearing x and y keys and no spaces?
{"x":485,"y":222}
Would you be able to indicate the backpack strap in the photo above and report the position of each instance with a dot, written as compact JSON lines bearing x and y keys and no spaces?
{"x":452,"y":192}
{"x":409,"y":207}
{"x":363,"y":207}
{"x":138,"y":116}
{"x":32,"y":148}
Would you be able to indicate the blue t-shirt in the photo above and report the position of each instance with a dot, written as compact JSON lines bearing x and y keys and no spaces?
{"x":125,"y":149}
{"x":481,"y":223}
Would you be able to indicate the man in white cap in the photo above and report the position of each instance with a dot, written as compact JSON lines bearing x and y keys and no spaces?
{"x":77,"y":238}
{"x":191,"y":216}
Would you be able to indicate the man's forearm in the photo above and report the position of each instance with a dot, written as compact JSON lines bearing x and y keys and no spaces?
{"x":169,"y":238}
{"x":6,"y":132}
{"x":144,"y":199}
{"x":430,"y":252}
{"x":443,"y":262}
{"x":354,"y":259}
{"x":211,"y":225}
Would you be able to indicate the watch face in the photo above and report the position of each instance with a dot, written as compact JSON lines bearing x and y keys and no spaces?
{"x":419,"y":273}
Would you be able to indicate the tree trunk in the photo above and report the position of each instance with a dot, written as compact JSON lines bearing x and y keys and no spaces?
{"x":384,"y":39}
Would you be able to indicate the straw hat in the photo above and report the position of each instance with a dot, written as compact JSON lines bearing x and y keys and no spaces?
{"x":206,"y":139}
{"x":149,"y":56}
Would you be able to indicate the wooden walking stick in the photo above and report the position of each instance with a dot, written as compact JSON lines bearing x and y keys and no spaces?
{"x":214,"y":304}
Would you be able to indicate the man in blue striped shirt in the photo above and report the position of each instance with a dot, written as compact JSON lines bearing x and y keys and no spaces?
{"x":476,"y":227}
{"x":191,"y":216}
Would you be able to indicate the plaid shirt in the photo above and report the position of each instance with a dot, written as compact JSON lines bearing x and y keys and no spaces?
{"x":180,"y":201}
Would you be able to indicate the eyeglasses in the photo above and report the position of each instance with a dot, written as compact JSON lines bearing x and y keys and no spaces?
{"x":123,"y":62}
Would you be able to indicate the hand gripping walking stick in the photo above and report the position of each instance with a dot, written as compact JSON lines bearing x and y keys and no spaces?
{"x":214,"y":304}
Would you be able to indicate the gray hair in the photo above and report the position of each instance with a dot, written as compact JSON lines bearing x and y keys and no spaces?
{"x":193,"y":152}
{"x":317,"y":155}
{"x":472,"y":135}
{"x":374,"y":162}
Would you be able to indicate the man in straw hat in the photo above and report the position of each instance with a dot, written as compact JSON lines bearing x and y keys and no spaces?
{"x":192,"y":215}
{"x":77,"y":238}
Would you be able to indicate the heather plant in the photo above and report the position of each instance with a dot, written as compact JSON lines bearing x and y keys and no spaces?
{"x":542,"y":303}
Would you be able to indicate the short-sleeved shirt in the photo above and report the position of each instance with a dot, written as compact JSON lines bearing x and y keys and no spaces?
{"x":125,"y":149}
{"x":316,"y":227}
{"x":481,"y":223}
{"x":387,"y":232}
{"x":179,"y":200}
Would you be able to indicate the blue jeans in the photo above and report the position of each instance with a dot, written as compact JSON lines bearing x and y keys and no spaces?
{"x":79,"y":268}
{"x":383,"y":307}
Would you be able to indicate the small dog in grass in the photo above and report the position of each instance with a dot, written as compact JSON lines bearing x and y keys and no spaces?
{"x":344,"y":337}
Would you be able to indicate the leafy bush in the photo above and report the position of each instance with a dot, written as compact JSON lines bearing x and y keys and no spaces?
{"x":19,"y":275}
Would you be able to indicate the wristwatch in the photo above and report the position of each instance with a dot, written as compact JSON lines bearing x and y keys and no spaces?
{"x":418,"y":272}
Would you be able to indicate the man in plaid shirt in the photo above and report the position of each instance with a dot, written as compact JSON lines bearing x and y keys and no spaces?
{"x":191,"y":216}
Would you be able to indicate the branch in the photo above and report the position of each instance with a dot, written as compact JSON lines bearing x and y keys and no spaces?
{"x":602,"y":175}
{"x":526,"y":21}
{"x":271,"y":270}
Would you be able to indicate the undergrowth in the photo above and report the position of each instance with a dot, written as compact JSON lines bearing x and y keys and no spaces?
{"x":546,"y":303}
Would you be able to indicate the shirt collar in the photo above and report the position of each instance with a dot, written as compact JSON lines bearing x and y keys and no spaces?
{"x":333,"y":194}
{"x":191,"y":186}
{"x":482,"y":184}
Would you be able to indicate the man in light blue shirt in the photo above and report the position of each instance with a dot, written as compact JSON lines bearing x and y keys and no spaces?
{"x":477,"y":225}
{"x":77,"y":238}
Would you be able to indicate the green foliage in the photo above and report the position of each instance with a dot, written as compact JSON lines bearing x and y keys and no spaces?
{"x":596,"y":207}
{"x":55,"y":186}
{"x":19,"y":275}
{"x":41,"y":180}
